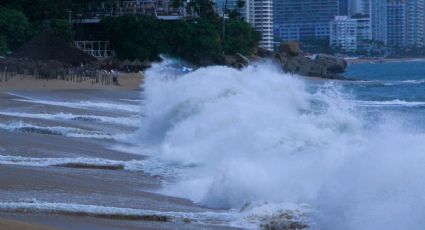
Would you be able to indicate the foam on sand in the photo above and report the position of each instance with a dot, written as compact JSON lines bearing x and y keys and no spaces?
{"x":127,"y":121}
{"x":248,"y":219}
{"x":53,"y":130}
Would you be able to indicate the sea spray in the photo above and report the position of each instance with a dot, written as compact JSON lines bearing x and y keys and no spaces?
{"x":258,"y":134}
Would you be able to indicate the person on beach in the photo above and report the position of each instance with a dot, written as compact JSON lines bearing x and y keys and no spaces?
{"x":114,"y":77}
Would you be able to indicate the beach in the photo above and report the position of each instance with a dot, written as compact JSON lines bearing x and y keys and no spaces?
{"x":127,"y":81}
{"x":65,"y":162}
{"x":15,"y":225}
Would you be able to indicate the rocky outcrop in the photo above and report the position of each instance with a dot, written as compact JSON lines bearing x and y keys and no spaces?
{"x":237,"y":60}
{"x":294,"y":61}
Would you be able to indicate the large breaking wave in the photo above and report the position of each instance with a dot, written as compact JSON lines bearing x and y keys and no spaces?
{"x":259,"y":135}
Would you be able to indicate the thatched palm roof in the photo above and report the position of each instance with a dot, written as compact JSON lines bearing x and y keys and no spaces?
{"x":47,"y":46}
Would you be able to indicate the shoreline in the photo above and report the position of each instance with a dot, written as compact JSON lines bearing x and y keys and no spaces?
{"x":383,"y":60}
{"x":126,"y":81}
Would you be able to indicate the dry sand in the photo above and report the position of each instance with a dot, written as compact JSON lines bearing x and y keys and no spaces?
{"x":15,"y":225}
{"x":126,"y":81}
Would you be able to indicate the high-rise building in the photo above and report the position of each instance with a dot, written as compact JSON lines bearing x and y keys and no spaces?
{"x":344,"y":7}
{"x":304,"y":20}
{"x":343,"y":33}
{"x":414,"y":23}
{"x":378,"y":10}
{"x":351,"y":34}
{"x":259,"y":13}
{"x":355,"y":7}
{"x":396,"y":23}
{"x":364,"y":32}
{"x":225,"y":4}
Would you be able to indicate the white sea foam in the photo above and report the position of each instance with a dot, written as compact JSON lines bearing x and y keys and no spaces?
{"x":260,"y":135}
{"x":53,"y":130}
{"x":389,"y":82}
{"x":127,"y":121}
{"x":247,"y":219}
{"x":391,"y":103}
{"x":149,"y":166}
{"x":87,"y":105}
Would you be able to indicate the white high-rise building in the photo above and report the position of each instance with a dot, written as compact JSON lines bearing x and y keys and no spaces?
{"x":343,"y":33}
{"x":259,"y":13}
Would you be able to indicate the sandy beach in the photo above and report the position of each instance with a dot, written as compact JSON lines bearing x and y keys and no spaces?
{"x":127,"y":81}
{"x":15,"y":225}
{"x":64,"y":163}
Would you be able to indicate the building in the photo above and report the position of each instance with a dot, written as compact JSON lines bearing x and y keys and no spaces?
{"x":306,"y":21}
{"x":259,"y":13}
{"x":378,"y":11}
{"x":354,"y":7}
{"x":344,"y":7}
{"x":396,"y":23}
{"x":225,"y":4}
{"x":363,"y":32}
{"x":414,"y":34}
{"x":343,"y":34}
{"x":351,"y":34}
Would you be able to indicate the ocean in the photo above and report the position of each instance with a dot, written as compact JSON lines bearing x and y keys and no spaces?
{"x":223,"y":148}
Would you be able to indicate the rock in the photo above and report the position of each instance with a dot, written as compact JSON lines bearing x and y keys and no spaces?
{"x":324,"y":66}
{"x":237,"y":61}
{"x":334,"y":64}
{"x":242,"y":60}
{"x":264,"y":53}
{"x":290,"y":48}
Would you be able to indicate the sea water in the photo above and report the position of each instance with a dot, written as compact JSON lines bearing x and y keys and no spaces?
{"x":352,"y":153}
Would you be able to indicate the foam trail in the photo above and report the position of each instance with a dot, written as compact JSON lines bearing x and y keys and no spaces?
{"x":260,"y":135}
{"x":246,"y":220}
{"x":388,"y":83}
{"x":128,"y":121}
{"x":396,"y":102}
{"x":86,"y":105}
{"x":53,"y":130}
{"x":150,"y":166}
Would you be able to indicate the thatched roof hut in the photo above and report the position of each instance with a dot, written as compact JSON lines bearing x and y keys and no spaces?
{"x":48,"y":47}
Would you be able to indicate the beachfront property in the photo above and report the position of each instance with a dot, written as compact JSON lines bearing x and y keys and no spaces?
{"x":395,"y":24}
{"x":351,"y":34}
{"x":306,"y":21}
{"x":343,"y":33}
{"x":259,"y":13}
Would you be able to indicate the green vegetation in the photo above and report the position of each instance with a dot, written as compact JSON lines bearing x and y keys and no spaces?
{"x":14,"y":27}
{"x":198,"y":40}
{"x":61,"y":28}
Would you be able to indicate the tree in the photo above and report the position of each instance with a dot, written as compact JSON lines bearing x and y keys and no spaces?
{"x":61,"y":28}
{"x":240,"y":37}
{"x":135,"y":37}
{"x":205,"y":9}
{"x":3,"y":44}
{"x":14,"y":27}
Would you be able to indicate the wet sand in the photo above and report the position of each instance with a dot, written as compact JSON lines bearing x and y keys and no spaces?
{"x":15,"y":225}
{"x":72,"y":186}
{"x":21,"y":82}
